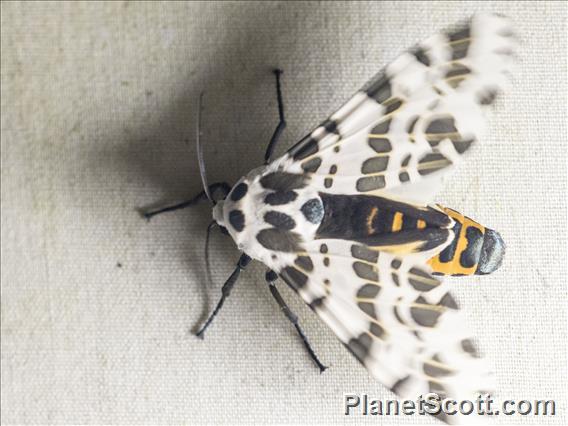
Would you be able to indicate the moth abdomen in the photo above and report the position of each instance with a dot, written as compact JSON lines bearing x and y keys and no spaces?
{"x":475,"y":249}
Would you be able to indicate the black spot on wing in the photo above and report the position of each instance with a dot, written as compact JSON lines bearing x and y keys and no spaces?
{"x":239,"y":191}
{"x":379,"y":89}
{"x":432,"y":162}
{"x":317,"y":303}
{"x":404,"y":177}
{"x":280,"y":198}
{"x":392,"y":105}
{"x":371,"y":183}
{"x":377,"y":330}
{"x":294,"y":278}
{"x":282,"y":181}
{"x":304,"y":148}
{"x":457,"y":74}
{"x":364,"y":253}
{"x":411,"y":124}
{"x":330,"y":126}
{"x":360,"y":346}
{"x":368,"y":308}
{"x":424,"y":314}
{"x":395,"y":279}
{"x":382,"y":128}
{"x":486,"y":97}
{"x":380,"y":145}
{"x":395,"y":264}
{"x":279,"y":220}
{"x":374,"y":165}
{"x":279,"y":240}
{"x":368,"y":291}
{"x":237,"y":220}
{"x":421,"y":56}
{"x":468,"y":346}
{"x":399,"y":385}
{"x":449,"y":302}
{"x":438,"y":389}
{"x":304,"y":262}
{"x":366,"y":271}
{"x":462,"y":145}
{"x":421,"y":280}
{"x":311,"y":166}
{"x":439,"y":128}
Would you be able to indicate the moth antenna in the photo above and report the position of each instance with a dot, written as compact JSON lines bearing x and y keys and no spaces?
{"x":207,"y":263}
{"x":200,"y":158}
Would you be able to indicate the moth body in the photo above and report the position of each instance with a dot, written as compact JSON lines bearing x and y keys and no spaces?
{"x":346,"y":217}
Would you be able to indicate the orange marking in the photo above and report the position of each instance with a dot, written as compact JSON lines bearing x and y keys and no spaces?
{"x":421,"y":224}
{"x":397,"y":222}
{"x":370,"y":218}
{"x":454,"y":266}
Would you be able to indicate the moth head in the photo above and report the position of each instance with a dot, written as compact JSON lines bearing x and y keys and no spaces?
{"x":218,"y":213}
{"x":230,"y":213}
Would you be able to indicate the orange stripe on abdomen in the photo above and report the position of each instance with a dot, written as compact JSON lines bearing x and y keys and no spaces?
{"x":461,"y":256}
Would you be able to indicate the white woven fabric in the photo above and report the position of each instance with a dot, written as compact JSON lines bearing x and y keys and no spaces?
{"x":98,"y":107}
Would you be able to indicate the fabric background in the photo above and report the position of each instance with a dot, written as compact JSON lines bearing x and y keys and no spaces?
{"x":98,"y":112}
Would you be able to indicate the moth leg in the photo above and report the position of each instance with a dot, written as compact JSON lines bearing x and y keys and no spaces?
{"x":225,"y":291}
{"x":222,"y":187}
{"x":271,"y":280}
{"x":282,"y":124}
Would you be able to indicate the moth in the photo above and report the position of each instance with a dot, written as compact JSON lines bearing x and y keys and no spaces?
{"x":346,"y":216}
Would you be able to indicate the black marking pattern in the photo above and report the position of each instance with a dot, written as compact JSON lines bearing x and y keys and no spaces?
{"x":470,"y":256}
{"x":237,"y":220}
{"x":279,"y":220}
{"x":279,"y":240}
{"x":375,"y":165}
{"x":311,"y":166}
{"x":280,"y":198}
{"x":361,"y":346}
{"x":364,"y":253}
{"x":304,"y":148}
{"x":304,"y":262}
{"x":368,"y":219}
{"x":368,"y":291}
{"x":366,"y":271}
{"x":282,"y":181}
{"x":425,"y":314}
{"x":239,"y":191}
{"x":445,"y":128}
{"x":294,"y":278}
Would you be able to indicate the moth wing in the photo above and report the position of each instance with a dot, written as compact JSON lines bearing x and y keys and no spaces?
{"x":397,"y":319}
{"x":414,"y":120}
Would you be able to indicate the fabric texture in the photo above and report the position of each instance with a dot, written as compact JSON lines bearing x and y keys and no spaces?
{"x":98,"y":119}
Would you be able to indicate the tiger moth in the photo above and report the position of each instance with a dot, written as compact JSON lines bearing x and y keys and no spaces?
{"x":346,"y":216}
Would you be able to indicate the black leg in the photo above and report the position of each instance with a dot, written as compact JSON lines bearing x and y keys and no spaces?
{"x":219,"y":186}
{"x":281,"y":125}
{"x":271,"y":280}
{"x":225,"y":291}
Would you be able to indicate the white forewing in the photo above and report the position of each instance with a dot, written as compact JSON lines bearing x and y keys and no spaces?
{"x":401,"y":323}
{"x":414,"y":120}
